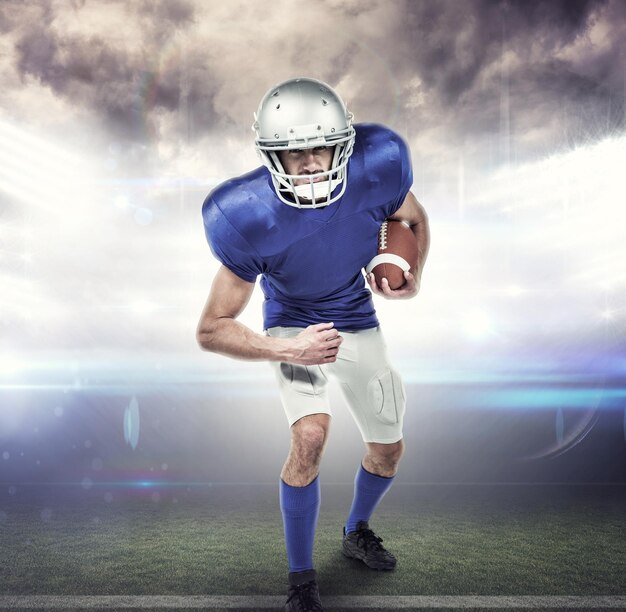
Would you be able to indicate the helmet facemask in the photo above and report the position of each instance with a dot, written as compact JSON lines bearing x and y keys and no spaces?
{"x":313,"y":192}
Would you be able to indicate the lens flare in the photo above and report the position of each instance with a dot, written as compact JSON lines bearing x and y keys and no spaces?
{"x":131,"y":423}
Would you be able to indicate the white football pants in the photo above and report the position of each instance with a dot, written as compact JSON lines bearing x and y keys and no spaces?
{"x":372,"y":388}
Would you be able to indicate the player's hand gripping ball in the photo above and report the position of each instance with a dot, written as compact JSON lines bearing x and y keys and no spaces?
{"x":397,"y":253}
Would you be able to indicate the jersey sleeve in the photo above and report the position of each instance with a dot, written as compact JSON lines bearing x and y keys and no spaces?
{"x":228,"y":245}
{"x":405,"y":179}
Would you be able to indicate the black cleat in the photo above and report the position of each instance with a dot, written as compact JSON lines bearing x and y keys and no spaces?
{"x":303,"y":595}
{"x":365,"y":545}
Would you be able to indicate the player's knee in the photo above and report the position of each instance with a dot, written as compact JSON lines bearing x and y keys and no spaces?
{"x":310,"y":437}
{"x":396,"y":451}
{"x":386,"y":456}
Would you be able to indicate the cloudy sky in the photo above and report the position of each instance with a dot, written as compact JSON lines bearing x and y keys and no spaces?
{"x":117,"y":117}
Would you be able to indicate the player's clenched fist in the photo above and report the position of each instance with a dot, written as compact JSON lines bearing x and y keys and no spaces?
{"x":316,"y":344}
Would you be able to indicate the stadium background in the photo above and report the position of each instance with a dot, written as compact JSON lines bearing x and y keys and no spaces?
{"x":117,"y":118}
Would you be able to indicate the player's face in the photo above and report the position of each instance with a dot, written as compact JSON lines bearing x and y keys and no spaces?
{"x":307,"y":161}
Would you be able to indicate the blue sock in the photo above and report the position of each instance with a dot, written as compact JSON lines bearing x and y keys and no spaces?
{"x":368,"y":491}
{"x":300,"y":507}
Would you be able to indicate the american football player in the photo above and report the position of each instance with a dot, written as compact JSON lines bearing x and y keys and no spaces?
{"x":305,"y":222}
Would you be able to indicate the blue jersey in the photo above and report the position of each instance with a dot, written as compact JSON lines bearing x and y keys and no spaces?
{"x":310,"y":259}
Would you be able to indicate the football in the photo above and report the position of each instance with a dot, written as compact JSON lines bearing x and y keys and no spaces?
{"x":397,"y":252}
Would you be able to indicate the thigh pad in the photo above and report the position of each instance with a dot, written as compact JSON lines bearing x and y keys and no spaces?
{"x":386,"y":396}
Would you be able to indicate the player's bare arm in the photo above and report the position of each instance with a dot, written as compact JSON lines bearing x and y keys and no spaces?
{"x":412,"y":213}
{"x":219,"y":332}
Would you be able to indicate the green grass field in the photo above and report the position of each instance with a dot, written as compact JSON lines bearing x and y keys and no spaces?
{"x":227,"y":540}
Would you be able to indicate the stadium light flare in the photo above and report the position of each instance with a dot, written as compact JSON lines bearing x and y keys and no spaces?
{"x":552,"y":228}
{"x":607,"y":314}
{"x":121,"y":201}
{"x":477,"y":324}
{"x":514,"y":290}
{"x":11,"y":365}
{"x":143,"y":307}
{"x":40,"y":173}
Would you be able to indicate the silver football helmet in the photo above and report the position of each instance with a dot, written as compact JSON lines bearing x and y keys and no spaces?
{"x":304,"y":113}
